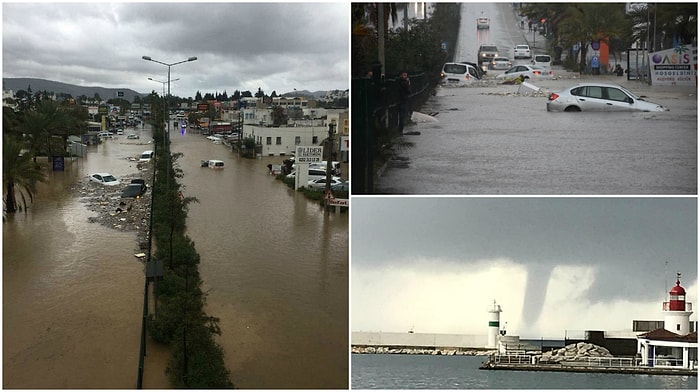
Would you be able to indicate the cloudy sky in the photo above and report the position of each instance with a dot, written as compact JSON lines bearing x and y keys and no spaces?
{"x":240,"y":46}
{"x":553,"y":264}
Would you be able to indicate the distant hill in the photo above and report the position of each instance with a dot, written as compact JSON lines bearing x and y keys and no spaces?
{"x":305,"y":93}
{"x":16,"y":84}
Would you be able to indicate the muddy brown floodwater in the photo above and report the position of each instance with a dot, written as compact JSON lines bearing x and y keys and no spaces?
{"x":274,"y":265}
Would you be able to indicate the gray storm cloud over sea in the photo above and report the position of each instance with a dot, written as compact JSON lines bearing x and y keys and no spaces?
{"x":631,"y":248}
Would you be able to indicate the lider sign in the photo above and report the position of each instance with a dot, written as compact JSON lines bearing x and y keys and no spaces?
{"x":308,"y":154}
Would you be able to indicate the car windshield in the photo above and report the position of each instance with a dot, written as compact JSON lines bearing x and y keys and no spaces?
{"x":108,"y":178}
{"x":522,"y":47}
{"x":542,"y":59}
{"x":489,"y":49}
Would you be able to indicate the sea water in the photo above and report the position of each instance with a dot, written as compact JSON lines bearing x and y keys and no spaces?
{"x":392,"y":371}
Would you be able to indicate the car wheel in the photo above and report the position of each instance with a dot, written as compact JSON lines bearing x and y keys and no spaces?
{"x":572,"y":109}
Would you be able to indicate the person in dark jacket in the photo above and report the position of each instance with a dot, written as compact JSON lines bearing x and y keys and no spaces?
{"x":404,"y":93}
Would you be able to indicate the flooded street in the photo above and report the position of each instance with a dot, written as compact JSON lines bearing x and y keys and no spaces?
{"x":492,"y":138}
{"x":275,"y":267}
{"x":72,"y":290}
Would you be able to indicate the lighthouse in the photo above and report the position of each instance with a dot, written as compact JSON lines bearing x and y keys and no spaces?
{"x":676,"y":311}
{"x":494,"y":325}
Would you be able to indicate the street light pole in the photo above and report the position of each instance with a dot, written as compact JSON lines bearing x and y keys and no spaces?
{"x":167,"y":143}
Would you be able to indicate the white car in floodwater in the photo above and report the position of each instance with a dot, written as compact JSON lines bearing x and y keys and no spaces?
{"x":599,"y":97}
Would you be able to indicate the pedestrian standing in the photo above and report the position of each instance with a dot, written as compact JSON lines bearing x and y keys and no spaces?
{"x":404,"y":93}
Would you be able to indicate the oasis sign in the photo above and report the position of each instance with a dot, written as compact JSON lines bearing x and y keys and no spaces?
{"x":675,"y":67}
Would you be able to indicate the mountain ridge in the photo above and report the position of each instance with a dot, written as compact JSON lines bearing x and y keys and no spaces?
{"x":36,"y":84}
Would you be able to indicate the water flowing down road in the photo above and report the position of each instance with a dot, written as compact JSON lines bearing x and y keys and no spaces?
{"x":492,"y":138}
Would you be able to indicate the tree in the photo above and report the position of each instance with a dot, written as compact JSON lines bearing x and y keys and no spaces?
{"x":278,"y":116}
{"x":582,"y":23}
{"x":19,"y":174}
{"x":260,"y":93}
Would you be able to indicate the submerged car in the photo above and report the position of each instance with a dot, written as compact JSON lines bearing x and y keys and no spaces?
{"x":526,"y":71}
{"x":104,"y":179}
{"x":213,"y":164}
{"x":134,"y":190}
{"x":132,"y":136}
{"x":599,"y":97}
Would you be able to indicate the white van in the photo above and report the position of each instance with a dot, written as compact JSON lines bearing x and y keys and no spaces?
{"x":314,"y":173}
{"x":542,"y":60}
{"x":213,"y":164}
{"x":459,"y":74}
{"x":146,"y":156}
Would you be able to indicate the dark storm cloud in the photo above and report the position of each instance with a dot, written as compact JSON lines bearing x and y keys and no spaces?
{"x":627,"y":240}
{"x":274,"y":46}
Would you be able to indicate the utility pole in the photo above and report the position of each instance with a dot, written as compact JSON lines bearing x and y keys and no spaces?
{"x":329,"y":162}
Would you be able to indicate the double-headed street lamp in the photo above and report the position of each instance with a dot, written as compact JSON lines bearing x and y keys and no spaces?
{"x":167,"y":138}
{"x":148,"y":58}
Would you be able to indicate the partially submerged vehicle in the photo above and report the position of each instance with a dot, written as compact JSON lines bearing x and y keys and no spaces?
{"x":213,"y":164}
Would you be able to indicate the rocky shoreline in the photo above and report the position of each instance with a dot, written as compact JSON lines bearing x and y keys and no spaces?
{"x":420,"y":351}
{"x":115,"y":212}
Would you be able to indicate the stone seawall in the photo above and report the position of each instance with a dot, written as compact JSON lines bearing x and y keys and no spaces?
{"x":421,"y":350}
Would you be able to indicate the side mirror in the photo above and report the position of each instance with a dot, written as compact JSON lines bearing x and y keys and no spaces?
{"x":630,"y":100}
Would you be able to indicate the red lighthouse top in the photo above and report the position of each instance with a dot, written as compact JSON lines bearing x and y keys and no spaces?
{"x":677,"y":296}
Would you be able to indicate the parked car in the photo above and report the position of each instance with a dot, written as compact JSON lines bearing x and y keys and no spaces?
{"x":542,"y":60}
{"x":522,"y":51}
{"x":146,"y":156}
{"x":482,"y":23}
{"x":319,"y":184}
{"x":501,"y":63}
{"x":104,"y":179}
{"x":132,"y":136}
{"x":312,"y":173}
{"x":599,"y":97}
{"x":526,"y":71}
{"x":120,"y":131}
{"x":341,"y":187}
{"x":134,"y":191}
{"x":458,"y":74}
{"x":486,"y":54}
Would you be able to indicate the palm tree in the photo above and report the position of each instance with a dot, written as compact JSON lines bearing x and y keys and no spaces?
{"x":19,"y":175}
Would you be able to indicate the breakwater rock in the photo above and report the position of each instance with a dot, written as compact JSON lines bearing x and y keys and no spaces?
{"x":574,"y":352}
{"x":419,"y":350}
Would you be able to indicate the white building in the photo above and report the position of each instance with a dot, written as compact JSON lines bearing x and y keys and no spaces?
{"x":673,"y":345}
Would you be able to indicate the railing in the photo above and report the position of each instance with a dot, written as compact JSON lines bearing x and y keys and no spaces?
{"x":602,"y":362}
{"x":513,"y":359}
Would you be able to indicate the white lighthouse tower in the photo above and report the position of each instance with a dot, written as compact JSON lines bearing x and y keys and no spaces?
{"x":676,"y":311}
{"x":494,"y":325}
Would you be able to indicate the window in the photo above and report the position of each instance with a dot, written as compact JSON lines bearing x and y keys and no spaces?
{"x":678,"y":327}
{"x":314,"y":140}
{"x":269,"y":140}
{"x":297,"y":140}
{"x":615,"y":94}
{"x":594,"y":92}
{"x":278,"y":140}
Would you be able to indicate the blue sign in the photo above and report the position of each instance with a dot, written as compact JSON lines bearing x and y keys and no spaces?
{"x":594,"y":62}
{"x":595,"y":45}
